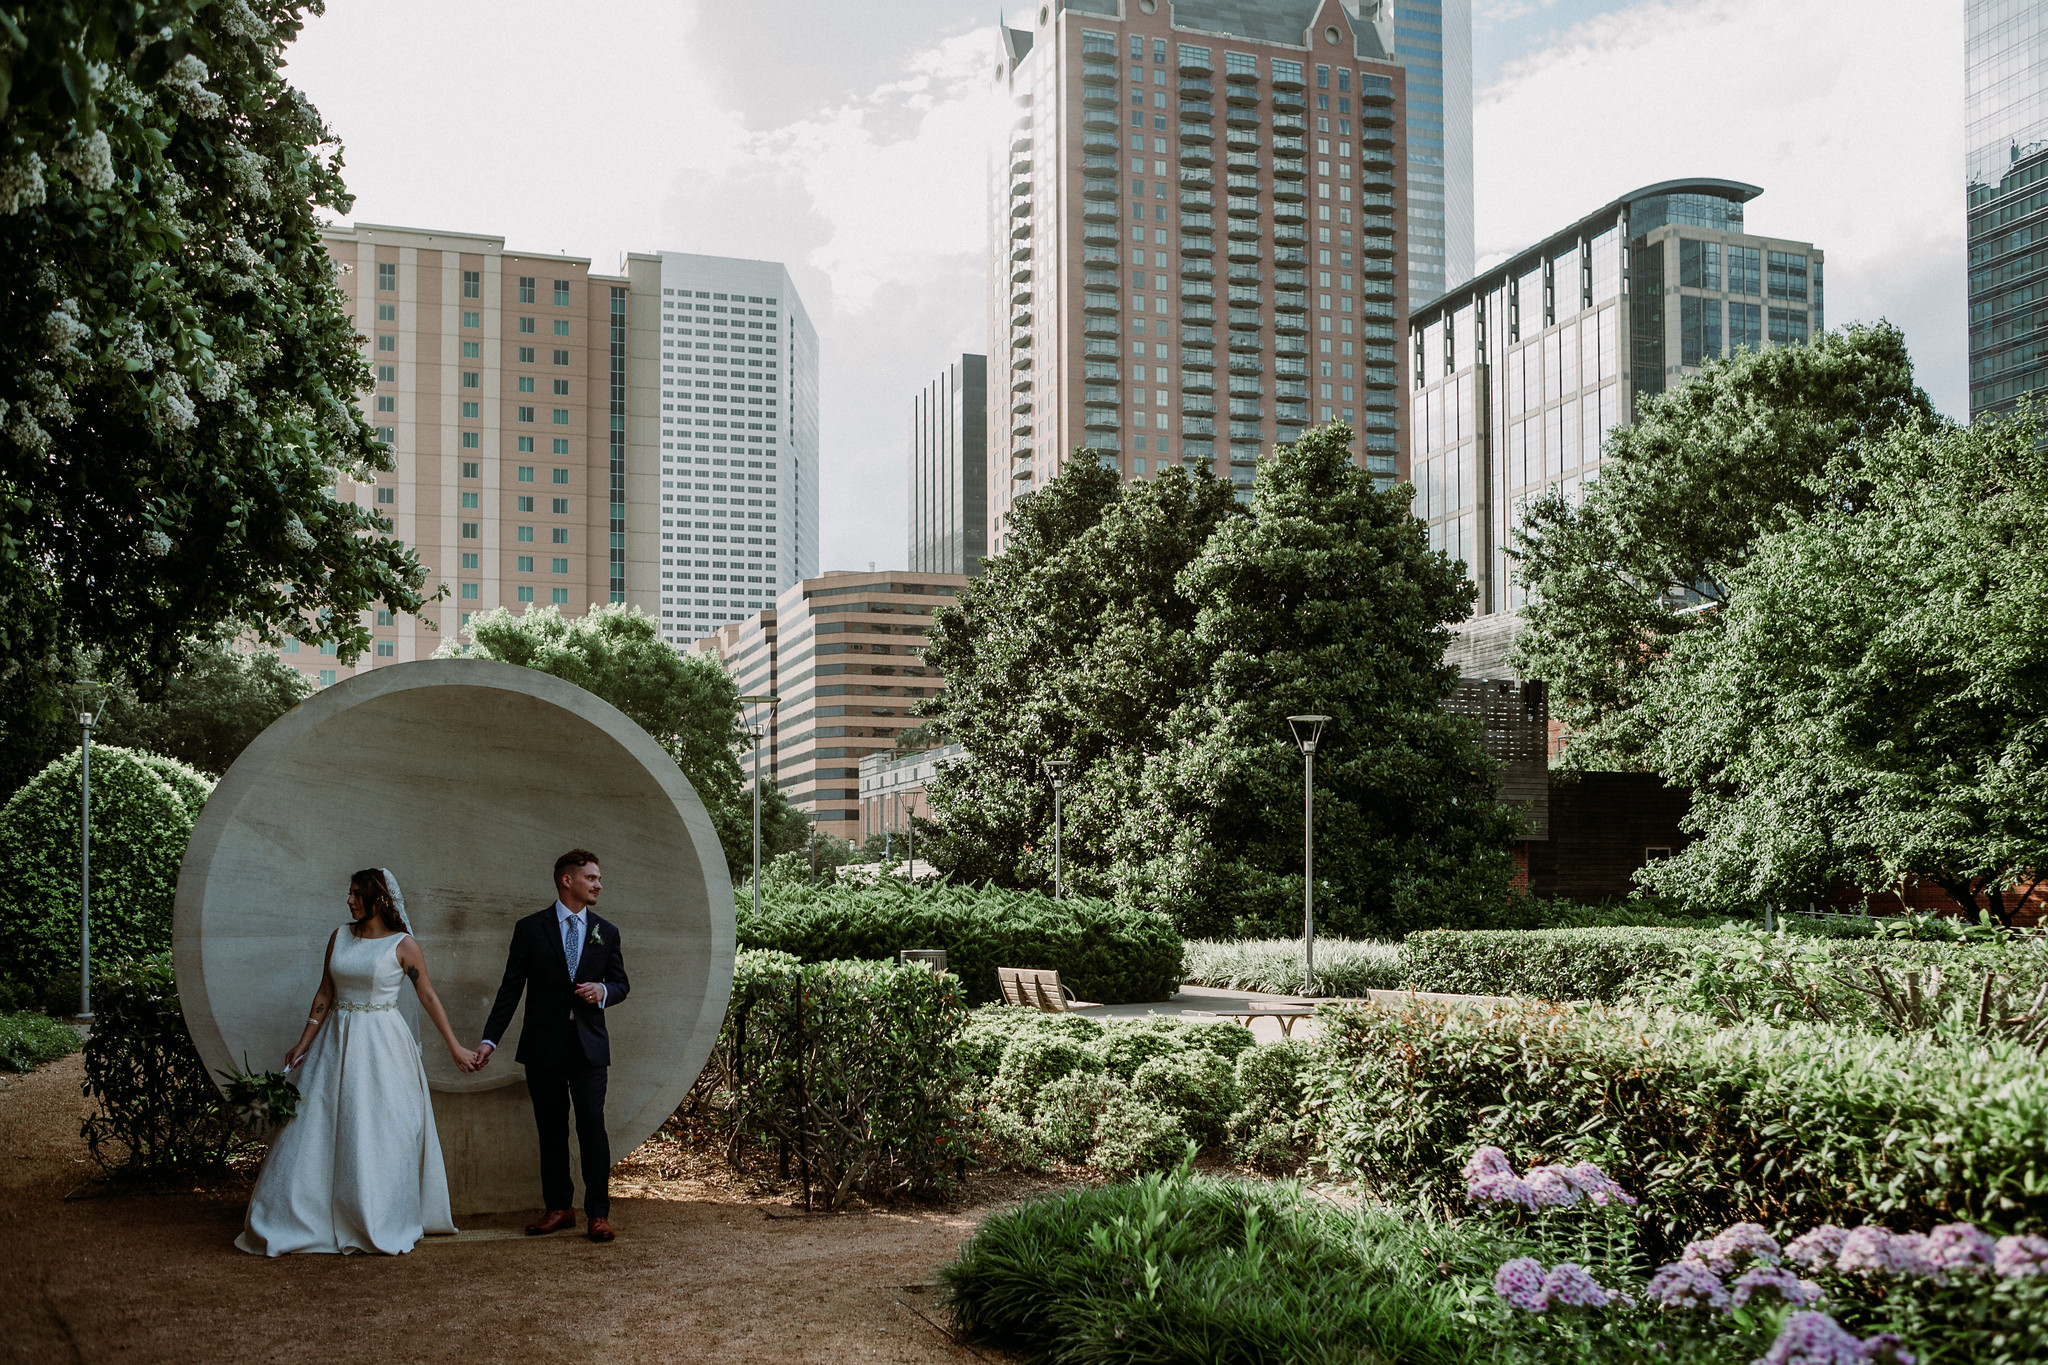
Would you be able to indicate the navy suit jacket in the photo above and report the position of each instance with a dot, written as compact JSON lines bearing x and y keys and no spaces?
{"x":561,"y":1027}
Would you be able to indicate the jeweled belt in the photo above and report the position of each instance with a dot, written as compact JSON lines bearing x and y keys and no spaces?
{"x":353,"y":1007}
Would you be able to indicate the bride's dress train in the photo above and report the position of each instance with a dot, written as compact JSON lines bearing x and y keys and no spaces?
{"x":360,"y":1168}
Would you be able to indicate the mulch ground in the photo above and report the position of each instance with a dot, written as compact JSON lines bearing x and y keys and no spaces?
{"x":707,"y":1268}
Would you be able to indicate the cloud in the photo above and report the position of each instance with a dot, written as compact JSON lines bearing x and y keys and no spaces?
{"x":1847,"y":112}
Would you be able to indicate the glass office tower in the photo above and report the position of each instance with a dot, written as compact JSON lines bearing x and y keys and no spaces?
{"x":1433,"y":40}
{"x":2005,"y":139}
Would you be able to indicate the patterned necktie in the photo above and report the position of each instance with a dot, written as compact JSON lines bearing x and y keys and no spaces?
{"x":572,"y":944}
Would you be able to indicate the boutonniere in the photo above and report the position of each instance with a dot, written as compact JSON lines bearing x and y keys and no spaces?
{"x":595,"y":936}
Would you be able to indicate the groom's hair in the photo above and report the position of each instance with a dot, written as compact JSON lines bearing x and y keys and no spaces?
{"x":575,"y":857}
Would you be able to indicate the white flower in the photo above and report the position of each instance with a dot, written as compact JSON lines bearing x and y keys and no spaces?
{"x":156,"y":543}
{"x":27,"y":433}
{"x":64,"y":331}
{"x":237,"y":18}
{"x":174,"y":408}
{"x":186,"y":79}
{"x":21,"y":185}
{"x":91,"y":160}
{"x":295,"y":531}
{"x":219,"y":381}
{"x":250,"y":172}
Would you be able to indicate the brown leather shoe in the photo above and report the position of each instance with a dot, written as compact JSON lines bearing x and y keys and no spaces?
{"x":556,"y":1220}
{"x":600,"y":1230}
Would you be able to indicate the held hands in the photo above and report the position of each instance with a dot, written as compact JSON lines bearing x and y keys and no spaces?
{"x":465,"y":1059}
{"x":591,"y":992}
{"x":483,"y":1055}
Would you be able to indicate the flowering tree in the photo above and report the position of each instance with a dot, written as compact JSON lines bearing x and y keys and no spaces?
{"x":177,"y":374}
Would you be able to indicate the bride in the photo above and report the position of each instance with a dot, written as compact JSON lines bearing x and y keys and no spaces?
{"x":359,"y":1168}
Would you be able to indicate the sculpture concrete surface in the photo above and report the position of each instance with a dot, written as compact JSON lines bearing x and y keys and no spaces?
{"x":466,"y":778}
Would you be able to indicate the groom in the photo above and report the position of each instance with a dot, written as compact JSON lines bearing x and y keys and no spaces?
{"x":567,"y":961}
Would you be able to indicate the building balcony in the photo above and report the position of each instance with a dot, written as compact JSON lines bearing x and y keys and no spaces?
{"x":1099,"y":60}
{"x":1375,"y":115}
{"x":1102,"y":419}
{"x":1197,"y":269}
{"x":1287,"y":101}
{"x":1197,"y":289}
{"x":1289,"y":191}
{"x":1242,"y":251}
{"x":1021,"y":169}
{"x":1198,"y":133}
{"x":1374,"y":226}
{"x":1096,"y":164}
{"x":1020,"y":145}
{"x":1194,"y":405}
{"x":1197,"y":426}
{"x":1245,"y":409}
{"x":1289,"y":168}
{"x":1099,"y":232}
{"x":1020,"y":341}
{"x":1247,"y":431}
{"x":1197,"y":246}
{"x":1101,"y":189}
{"x":1377,"y":160}
{"x":1289,"y":234}
{"x":1101,"y":211}
{"x":1286,"y":364}
{"x":1197,"y":179}
{"x":1241,"y":120}
{"x":1297,"y":278}
{"x":1290,"y":301}
{"x":1020,"y":429}
{"x":1196,"y":358}
{"x":1246,"y":138}
{"x":1380,"y":379}
{"x":1021,"y":208}
{"x":1021,"y":299}
{"x":1197,"y":156}
{"x":1107,"y":349}
{"x":1099,"y":119}
{"x":1020,"y":320}
{"x":1242,"y":179}
{"x":1243,"y":229}
{"x":1198,"y":381}
{"x":1200,"y":109}
{"x":1095,"y":302}
{"x":1107,"y":440}
{"x":1199,"y":222}
{"x":1246,"y":341}
{"x":1378,"y":269}
{"x":1242,"y":206}
{"x":1290,"y":412}
{"x":1100,"y":97}
{"x":1244,"y":322}
{"x":1286,"y":212}
{"x":1095,"y":325}
{"x":1290,"y":345}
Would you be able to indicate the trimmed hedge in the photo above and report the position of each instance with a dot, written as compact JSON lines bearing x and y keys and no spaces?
{"x":1708,"y":1125}
{"x":1343,"y":966}
{"x":1548,"y":964}
{"x":1102,"y":951}
{"x":851,"y":1072}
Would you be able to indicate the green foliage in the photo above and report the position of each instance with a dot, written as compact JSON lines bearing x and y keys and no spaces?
{"x":1103,"y":952}
{"x":1198,"y":1086}
{"x":1545,"y":964}
{"x":179,"y":375}
{"x":851,"y":1068}
{"x":1684,"y":495}
{"x":1273,"y":965}
{"x":209,"y":711}
{"x":687,"y":702}
{"x":261,"y":1100}
{"x":143,"y":810}
{"x":1034,"y":1061}
{"x":1181,"y":1267}
{"x":158,"y":1111}
{"x":1707,"y":1125}
{"x":1906,"y":737}
{"x":1134,"y":1134}
{"x":28,"y":1039}
{"x":1157,"y":635}
{"x":1068,"y":1108}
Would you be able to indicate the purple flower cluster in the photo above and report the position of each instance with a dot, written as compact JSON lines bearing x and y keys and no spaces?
{"x":1524,"y":1285}
{"x":1775,"y":1279}
{"x":2020,"y":1256}
{"x":1687,"y":1285}
{"x":1490,"y":1179}
{"x":1817,"y":1249}
{"x":1817,"y":1339}
{"x":1875,"y":1250}
{"x":1734,"y":1247}
{"x":1961,"y":1247}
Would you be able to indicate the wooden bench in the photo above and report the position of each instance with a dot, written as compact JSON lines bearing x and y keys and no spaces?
{"x":1285,"y":1014}
{"x":1038,"y":990}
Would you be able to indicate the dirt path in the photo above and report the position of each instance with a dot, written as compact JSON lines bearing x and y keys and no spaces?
{"x":699,"y":1273}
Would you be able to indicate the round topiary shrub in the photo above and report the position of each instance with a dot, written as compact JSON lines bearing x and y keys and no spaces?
{"x":1068,"y":1108}
{"x":143,"y":810}
{"x":1196,"y":1084}
{"x":1266,"y":1129}
{"x":1134,"y":1135}
{"x":1227,"y":1038}
{"x":1033,"y":1061}
{"x":1126,"y":1046}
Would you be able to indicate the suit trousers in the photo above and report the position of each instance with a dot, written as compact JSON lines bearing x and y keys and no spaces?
{"x":555,"y":1089}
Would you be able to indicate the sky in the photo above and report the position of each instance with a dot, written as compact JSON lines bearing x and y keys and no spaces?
{"x":847,"y":141}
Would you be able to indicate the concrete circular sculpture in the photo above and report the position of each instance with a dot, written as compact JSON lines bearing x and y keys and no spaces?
{"x":466,"y":778}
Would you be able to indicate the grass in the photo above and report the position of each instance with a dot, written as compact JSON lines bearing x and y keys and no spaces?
{"x":28,"y":1039}
{"x":1183,"y":1267}
{"x":1343,"y":966}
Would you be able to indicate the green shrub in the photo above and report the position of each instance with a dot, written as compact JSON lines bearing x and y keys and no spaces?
{"x":1226,"y":1038}
{"x":29,"y":1039}
{"x":1187,"y":1268}
{"x":1343,"y":966}
{"x":1127,"y":1045}
{"x":1547,"y":964}
{"x":143,"y":810}
{"x":1199,"y":1086}
{"x":853,"y":1069}
{"x":1269,"y":1088}
{"x":1033,"y":1061}
{"x":1005,"y":1141}
{"x":158,"y":1110}
{"x":1134,"y":1135}
{"x":1102,"y":951}
{"x":1708,"y":1125}
{"x":1068,"y":1109}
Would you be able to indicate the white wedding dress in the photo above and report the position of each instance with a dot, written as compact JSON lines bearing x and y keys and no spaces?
{"x":359,"y":1168}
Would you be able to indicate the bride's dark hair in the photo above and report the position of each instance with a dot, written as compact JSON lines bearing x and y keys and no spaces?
{"x":376,"y":896}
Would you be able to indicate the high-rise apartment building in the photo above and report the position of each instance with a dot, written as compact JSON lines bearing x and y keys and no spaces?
{"x":531,"y":406}
{"x":1520,"y":372}
{"x":739,"y":440}
{"x":844,"y":651}
{"x":1196,"y":238}
{"x":1433,"y":40}
{"x":949,"y":470}
{"x":2005,"y":142}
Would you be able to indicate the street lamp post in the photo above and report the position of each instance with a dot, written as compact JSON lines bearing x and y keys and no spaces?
{"x":758,"y":733}
{"x":85,"y":724}
{"x":1057,"y":769}
{"x":1307,"y":730}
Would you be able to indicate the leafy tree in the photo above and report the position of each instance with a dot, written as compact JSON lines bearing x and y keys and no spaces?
{"x":1871,"y":704}
{"x":1157,"y":635}
{"x":1738,"y":452}
{"x":143,"y":810}
{"x":178,"y":375}
{"x":209,"y":712}
{"x":687,"y":702}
